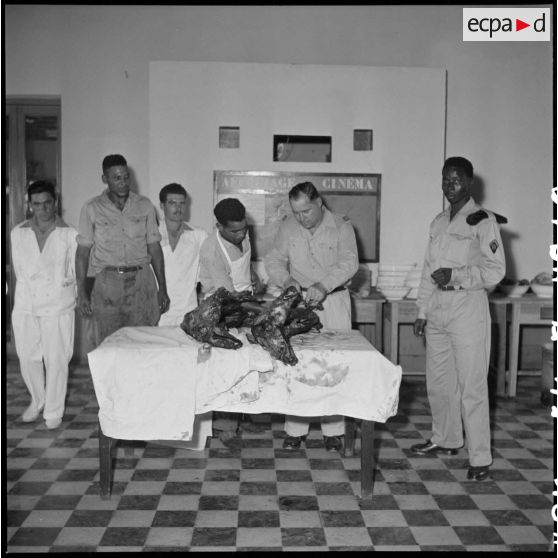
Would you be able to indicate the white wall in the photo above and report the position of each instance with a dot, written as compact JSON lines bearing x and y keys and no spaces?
{"x":405,"y":107}
{"x":499,"y":98}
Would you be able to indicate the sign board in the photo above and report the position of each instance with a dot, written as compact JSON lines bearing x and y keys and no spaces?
{"x":265,"y":196}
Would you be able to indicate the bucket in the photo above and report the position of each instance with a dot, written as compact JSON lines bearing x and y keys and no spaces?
{"x":547,"y":374}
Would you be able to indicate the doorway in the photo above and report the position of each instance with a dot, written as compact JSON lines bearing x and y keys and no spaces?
{"x":32,"y":152}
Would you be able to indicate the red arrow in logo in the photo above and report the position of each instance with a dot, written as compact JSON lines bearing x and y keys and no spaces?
{"x":519,"y":25}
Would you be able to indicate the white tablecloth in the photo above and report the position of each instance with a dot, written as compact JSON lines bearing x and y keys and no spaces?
{"x":150,"y":382}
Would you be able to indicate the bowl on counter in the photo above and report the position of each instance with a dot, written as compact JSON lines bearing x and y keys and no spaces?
{"x":514,"y":290}
{"x":543,"y":291}
{"x":412,"y":294}
{"x":394,"y":293}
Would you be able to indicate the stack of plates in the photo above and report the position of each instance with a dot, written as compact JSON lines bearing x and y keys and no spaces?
{"x":391,"y":280}
{"x":413,"y":281}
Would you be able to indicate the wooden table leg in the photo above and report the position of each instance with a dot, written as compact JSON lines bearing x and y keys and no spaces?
{"x":350,"y":435}
{"x":378,"y":326}
{"x":500,"y":319}
{"x":514,"y":350}
{"x":367,"y":459}
{"x":105,"y":464}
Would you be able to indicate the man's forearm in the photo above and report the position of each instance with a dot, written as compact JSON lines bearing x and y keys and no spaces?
{"x":82,"y":264}
{"x":158,"y":264}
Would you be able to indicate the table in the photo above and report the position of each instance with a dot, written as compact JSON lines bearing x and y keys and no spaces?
{"x":151,"y":382}
{"x":367,"y":311}
{"x":528,"y":309}
{"x":397,"y":312}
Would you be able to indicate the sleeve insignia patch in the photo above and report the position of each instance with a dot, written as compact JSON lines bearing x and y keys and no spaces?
{"x":494,"y":246}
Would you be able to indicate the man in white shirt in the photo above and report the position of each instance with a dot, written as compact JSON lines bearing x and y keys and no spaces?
{"x":181,"y":244}
{"x":43,"y":253}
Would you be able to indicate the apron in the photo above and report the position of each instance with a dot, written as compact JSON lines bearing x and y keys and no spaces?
{"x":240,"y":269}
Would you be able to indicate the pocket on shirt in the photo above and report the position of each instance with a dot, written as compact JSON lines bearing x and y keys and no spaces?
{"x":458,"y":250}
{"x":136,"y":226}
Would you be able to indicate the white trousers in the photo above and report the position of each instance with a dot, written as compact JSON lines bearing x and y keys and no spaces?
{"x":44,"y":346}
{"x":457,"y":358}
{"x":335,"y":315}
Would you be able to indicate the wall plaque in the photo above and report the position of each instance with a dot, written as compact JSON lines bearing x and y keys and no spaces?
{"x":265,"y":196}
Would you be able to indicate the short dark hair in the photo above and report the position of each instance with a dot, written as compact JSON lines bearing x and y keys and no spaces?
{"x":115,"y":160}
{"x":229,"y":210}
{"x":172,"y":188}
{"x":40,"y":186}
{"x":304,"y":189}
{"x":460,"y":163}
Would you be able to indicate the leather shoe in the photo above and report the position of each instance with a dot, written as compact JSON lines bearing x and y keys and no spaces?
{"x":429,"y":448}
{"x":292,"y":442}
{"x":333,"y":443}
{"x":477,"y":473}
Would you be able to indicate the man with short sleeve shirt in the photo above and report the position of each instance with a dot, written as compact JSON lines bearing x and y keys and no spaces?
{"x":119,"y":238}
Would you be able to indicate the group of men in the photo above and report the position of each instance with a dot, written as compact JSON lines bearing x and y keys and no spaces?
{"x":146,"y":272}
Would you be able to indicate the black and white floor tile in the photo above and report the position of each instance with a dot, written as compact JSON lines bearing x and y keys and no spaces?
{"x":263,"y":498}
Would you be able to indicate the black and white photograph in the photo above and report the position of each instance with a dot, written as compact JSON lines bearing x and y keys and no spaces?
{"x":279,"y":278}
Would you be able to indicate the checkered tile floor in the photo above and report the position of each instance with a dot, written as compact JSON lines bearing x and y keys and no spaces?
{"x":262,"y":497}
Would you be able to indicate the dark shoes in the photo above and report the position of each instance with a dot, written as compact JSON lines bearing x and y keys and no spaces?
{"x":430,"y":448}
{"x":228,"y":438}
{"x":477,"y":473}
{"x":333,"y":443}
{"x":292,"y":442}
{"x":253,"y":427}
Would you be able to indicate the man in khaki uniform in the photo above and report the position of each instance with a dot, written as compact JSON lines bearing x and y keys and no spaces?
{"x":315,"y":251}
{"x":464,"y":258}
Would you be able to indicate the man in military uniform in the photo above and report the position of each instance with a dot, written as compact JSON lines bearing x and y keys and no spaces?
{"x":315,"y":251}
{"x":464,"y":258}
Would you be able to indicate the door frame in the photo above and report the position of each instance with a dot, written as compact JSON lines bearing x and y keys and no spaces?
{"x":16,"y":107}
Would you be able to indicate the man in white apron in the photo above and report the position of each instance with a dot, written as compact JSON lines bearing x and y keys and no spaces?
{"x":315,"y":251}
{"x":225,"y":261}
{"x":43,"y":254}
{"x":181,"y":244}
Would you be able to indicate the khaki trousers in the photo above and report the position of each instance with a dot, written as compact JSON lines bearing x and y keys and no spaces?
{"x":457,"y":359}
{"x":335,"y":315}
{"x":123,"y":299}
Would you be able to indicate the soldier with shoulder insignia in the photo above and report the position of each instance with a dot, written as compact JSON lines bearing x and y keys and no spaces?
{"x":316,"y":252}
{"x":464,"y":259}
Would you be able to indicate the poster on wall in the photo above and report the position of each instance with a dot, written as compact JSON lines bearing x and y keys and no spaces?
{"x":265,"y":196}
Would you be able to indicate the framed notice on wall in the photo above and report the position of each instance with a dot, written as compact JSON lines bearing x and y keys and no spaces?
{"x":265,"y":196}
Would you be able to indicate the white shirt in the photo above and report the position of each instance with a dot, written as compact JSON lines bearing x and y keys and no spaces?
{"x":181,"y":271}
{"x":45,"y":281}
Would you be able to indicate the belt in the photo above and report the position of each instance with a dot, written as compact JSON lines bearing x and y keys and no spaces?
{"x":336,"y":290}
{"x":123,"y":269}
{"x":451,"y":288}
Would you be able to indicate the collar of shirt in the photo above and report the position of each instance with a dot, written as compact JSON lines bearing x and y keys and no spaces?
{"x":58,"y":223}
{"x":468,"y":208}
{"x":184,"y":227}
{"x":328,"y":222}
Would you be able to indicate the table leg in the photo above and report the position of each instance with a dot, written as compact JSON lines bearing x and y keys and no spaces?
{"x":350,"y":435}
{"x":367,"y":459}
{"x":378,"y":326}
{"x":105,"y":464}
{"x":394,"y":356}
{"x":514,"y":350}
{"x":500,"y":317}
